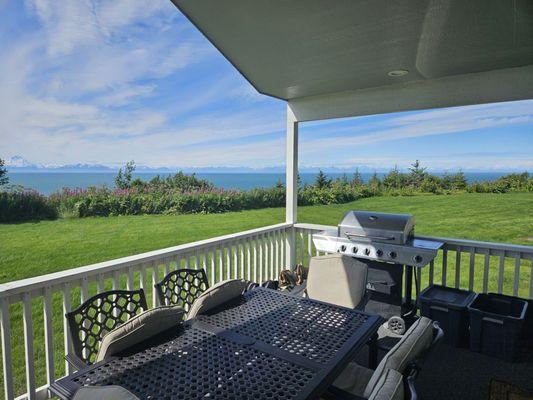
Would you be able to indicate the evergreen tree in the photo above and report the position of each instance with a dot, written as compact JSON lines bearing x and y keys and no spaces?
{"x":447,"y":181}
{"x":374,"y":183}
{"x":322,"y":180}
{"x":344,"y":180}
{"x":459,"y":181}
{"x":123,"y":178}
{"x":357,"y":179}
{"x":417,"y":174}
{"x":394,"y":179}
{"x":4,"y":180}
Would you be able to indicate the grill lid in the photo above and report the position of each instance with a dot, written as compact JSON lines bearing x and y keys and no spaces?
{"x":377,"y":227}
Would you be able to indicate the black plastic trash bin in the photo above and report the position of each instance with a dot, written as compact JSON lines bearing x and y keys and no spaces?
{"x":449,"y":307}
{"x":496,"y":323}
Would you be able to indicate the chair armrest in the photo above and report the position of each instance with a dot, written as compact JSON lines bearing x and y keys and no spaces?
{"x":75,"y":361}
{"x":334,"y":393}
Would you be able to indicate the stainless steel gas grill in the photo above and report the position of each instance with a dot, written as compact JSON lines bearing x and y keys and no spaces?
{"x":387,"y":244}
{"x":378,"y":236}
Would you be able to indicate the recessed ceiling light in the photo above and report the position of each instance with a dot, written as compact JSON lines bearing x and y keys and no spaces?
{"x":398,"y":72}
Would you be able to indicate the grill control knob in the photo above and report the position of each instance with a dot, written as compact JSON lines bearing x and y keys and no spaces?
{"x":379,"y":252}
{"x":417,"y":259}
{"x":367,"y":251}
{"x":343,"y":248}
{"x":393,"y":255}
{"x":355,"y":249}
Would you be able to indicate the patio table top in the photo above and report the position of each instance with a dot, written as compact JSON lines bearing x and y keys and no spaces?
{"x":264,"y":345}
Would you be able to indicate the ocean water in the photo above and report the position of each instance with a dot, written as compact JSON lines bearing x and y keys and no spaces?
{"x":49,"y":182}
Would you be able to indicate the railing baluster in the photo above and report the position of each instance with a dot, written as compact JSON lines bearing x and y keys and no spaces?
{"x":444,"y":266}
{"x":255,"y":258}
{"x":309,"y":246}
{"x":155,"y":279}
{"x":276,"y":241}
{"x":486,"y":273}
{"x":228,"y":261}
{"x":516,"y":283}
{"x":28,"y":347}
{"x":212,"y":263}
{"x":471,"y":271}
{"x":100,"y":283}
{"x":7,"y":366}
{"x":48,"y":335}
{"x":271,"y":266}
{"x":248,"y":243}
{"x":142,"y":282}
{"x":458,"y":267}
{"x":301,"y":240}
{"x":204,"y":260}
{"x":500,"y":273}
{"x":260,"y":259}
{"x":66,"y":328}
{"x":166,"y":266}
{"x":129,"y":282}
{"x":116,"y":280}
{"x":196,"y":260}
{"x":241,"y":258}
{"x":235,"y":260}
{"x":84,"y":289}
{"x":221,"y":262}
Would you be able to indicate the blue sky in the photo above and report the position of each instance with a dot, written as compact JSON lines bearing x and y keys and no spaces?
{"x":109,"y":81}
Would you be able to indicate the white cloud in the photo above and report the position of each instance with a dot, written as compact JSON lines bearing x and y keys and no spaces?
{"x":427,"y":123}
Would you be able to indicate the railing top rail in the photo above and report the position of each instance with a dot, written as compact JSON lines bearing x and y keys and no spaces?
{"x":451,"y":241}
{"x":58,"y":278}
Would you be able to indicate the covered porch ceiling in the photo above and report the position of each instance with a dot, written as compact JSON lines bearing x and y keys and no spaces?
{"x":343,"y":58}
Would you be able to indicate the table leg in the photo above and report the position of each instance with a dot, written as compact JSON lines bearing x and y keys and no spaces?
{"x":373,"y":351}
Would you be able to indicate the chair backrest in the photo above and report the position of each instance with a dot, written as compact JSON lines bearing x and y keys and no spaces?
{"x":415,"y":343}
{"x":181,"y":287}
{"x":100,"y":314}
{"x":337,"y":279}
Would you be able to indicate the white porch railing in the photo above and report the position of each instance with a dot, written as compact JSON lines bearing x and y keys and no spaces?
{"x":35,"y":335}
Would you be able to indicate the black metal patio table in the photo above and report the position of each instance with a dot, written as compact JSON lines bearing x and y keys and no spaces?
{"x":264,"y":345}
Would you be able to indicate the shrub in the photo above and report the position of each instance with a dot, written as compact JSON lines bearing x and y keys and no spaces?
{"x":25,"y":205}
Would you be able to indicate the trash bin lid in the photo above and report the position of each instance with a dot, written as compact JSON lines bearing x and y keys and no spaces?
{"x":451,"y":297}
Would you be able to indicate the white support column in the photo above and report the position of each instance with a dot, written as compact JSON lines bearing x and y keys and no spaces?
{"x":291,"y":202}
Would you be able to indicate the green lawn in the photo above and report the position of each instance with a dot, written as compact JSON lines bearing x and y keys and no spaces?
{"x":30,"y":249}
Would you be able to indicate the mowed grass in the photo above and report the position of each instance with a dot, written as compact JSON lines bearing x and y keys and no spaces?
{"x":31,"y":249}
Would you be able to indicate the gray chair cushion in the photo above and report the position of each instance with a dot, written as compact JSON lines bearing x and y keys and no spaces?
{"x":417,"y":339}
{"x":138,"y":329}
{"x":104,"y":393}
{"x":354,"y":379}
{"x":389,"y":387}
{"x":337,"y":279}
{"x":216,"y":295}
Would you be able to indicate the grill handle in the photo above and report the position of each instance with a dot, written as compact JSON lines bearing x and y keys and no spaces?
{"x":360,"y":235}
